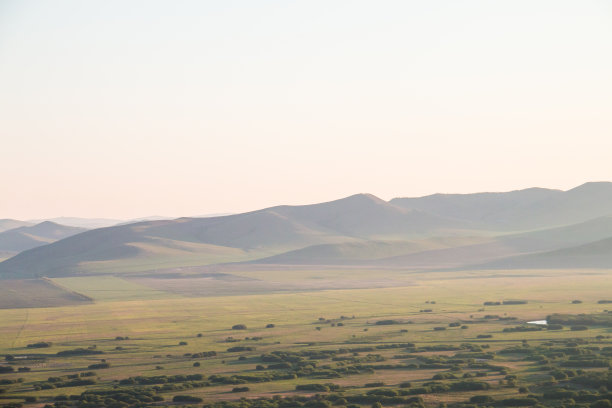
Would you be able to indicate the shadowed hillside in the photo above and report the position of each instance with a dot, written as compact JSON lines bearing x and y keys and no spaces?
{"x":193,"y":241}
{"x":434,"y":253}
{"x":593,"y":255}
{"x":433,"y":232}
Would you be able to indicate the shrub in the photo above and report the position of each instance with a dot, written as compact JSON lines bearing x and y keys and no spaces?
{"x":312,"y":387}
{"x":240,"y":389}
{"x":239,"y":327}
{"x":385,"y":392}
{"x":270,"y":326}
{"x":40,"y":344}
{"x":405,"y":384}
{"x":469,"y":385}
{"x":482,"y":399}
{"x":78,"y":352}
{"x":519,"y":402}
{"x":240,"y":348}
{"x":444,"y":376}
{"x":186,"y":398}
{"x":98,"y":366}
{"x":387,"y":322}
{"x":374,"y":384}
{"x":579,"y":328}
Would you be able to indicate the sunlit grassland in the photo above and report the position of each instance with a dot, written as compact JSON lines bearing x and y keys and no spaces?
{"x":546,"y":291}
{"x":156,"y":323}
{"x":109,"y":288}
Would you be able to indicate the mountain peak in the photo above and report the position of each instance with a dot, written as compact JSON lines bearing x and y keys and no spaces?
{"x":364,"y":197}
{"x":48,"y":224}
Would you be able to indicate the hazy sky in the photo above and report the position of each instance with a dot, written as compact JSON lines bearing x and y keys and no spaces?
{"x":133,"y":108}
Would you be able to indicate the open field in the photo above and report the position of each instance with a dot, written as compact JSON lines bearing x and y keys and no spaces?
{"x":314,"y":332}
{"x":37,"y":293}
{"x":109,"y":288}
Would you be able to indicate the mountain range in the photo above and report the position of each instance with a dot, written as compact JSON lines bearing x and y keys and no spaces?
{"x":24,"y":237}
{"x":531,"y":228}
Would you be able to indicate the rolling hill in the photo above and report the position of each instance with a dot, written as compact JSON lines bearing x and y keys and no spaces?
{"x":27,"y":237}
{"x":8,"y":224}
{"x":596,"y":254}
{"x":446,"y":252}
{"x":520,"y":210}
{"x":241,"y":237}
{"x":433,"y":232}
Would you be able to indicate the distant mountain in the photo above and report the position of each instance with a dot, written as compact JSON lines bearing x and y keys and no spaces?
{"x":520,"y":210}
{"x":239,"y":237}
{"x":88,"y":223}
{"x":447,"y":252}
{"x":482,"y":208}
{"x":93,"y":223}
{"x":505,"y":246}
{"x":433,"y":232}
{"x":27,"y":237}
{"x":8,"y":224}
{"x":367,"y":252}
{"x":592,"y":255}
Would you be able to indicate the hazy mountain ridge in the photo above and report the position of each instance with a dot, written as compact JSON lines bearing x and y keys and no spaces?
{"x":357,"y":230}
{"x":596,"y":254}
{"x":522,"y":209}
{"x":271,"y":230}
{"x":28,"y":237}
{"x":9,"y":224}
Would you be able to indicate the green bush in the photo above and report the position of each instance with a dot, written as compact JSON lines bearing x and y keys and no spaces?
{"x":186,"y":398}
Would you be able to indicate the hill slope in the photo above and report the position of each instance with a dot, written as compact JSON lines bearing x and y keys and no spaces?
{"x":520,"y":210}
{"x":8,"y":224}
{"x":27,"y":237}
{"x":593,"y":255}
{"x":240,"y":237}
{"x":440,"y":231}
{"x":446,"y":252}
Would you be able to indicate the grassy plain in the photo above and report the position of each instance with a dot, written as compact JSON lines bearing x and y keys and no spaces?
{"x":156,"y":322}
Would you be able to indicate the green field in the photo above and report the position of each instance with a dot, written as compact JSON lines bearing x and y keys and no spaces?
{"x":308,"y":322}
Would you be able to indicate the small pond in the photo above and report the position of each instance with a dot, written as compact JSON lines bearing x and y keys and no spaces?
{"x":538,"y":322}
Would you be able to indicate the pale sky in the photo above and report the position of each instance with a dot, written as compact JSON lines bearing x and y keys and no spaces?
{"x":132,"y":108}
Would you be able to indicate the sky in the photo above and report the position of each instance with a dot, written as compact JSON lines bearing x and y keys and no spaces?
{"x":125,"y":109}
